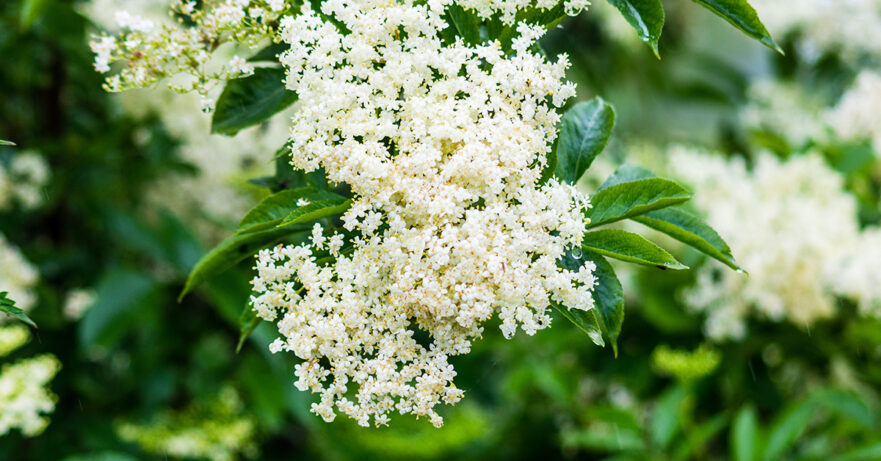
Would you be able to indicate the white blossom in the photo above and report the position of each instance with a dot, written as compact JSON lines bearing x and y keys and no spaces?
{"x":443,"y":147}
{"x":25,"y":398}
{"x":22,"y":180}
{"x":788,"y":223}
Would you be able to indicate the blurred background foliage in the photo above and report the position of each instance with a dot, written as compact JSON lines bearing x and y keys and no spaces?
{"x":143,"y":376}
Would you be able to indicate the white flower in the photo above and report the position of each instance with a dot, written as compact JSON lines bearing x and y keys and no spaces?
{"x":443,"y":147}
{"x":788,"y":223}
{"x":22,"y":180}
{"x":25,"y":398}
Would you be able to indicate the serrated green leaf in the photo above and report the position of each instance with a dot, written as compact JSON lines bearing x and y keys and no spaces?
{"x":317,"y":210}
{"x":629,"y":199}
{"x":235,"y":249}
{"x":629,"y":247}
{"x":584,"y":132}
{"x":646,"y":16}
{"x":250,"y":100}
{"x":745,"y":435}
{"x":691,"y":230}
{"x":608,"y":299}
{"x":743,"y":16}
{"x":248,"y":322}
{"x":274,"y":209}
{"x":8,"y":307}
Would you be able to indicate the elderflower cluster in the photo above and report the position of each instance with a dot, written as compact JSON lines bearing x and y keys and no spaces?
{"x":25,"y":397}
{"x":443,"y":147}
{"x":851,"y":28}
{"x":857,"y":115}
{"x":182,"y":46}
{"x":22,"y":180}
{"x":789,"y":222}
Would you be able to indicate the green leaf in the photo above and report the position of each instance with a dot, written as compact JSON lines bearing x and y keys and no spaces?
{"x":4,"y":142}
{"x":317,"y":210}
{"x":740,"y":14}
{"x":269,"y":53}
{"x":629,"y":247}
{"x":30,"y":11}
{"x":585,"y":320}
{"x":629,"y":199}
{"x":274,"y":209}
{"x":546,"y":17}
{"x":646,"y":16}
{"x":464,"y":23}
{"x":235,"y":249}
{"x":666,"y":418}
{"x":788,"y":428}
{"x":8,"y":307}
{"x":584,"y":132}
{"x":745,"y":435}
{"x":626,"y":173}
{"x":248,"y":322}
{"x":250,"y":100}
{"x":120,"y":296}
{"x":608,"y":297}
{"x":846,"y":404}
{"x":691,"y":230}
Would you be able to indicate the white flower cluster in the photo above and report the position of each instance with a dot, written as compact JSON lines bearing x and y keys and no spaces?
{"x":443,"y":147}
{"x":183,"y":49}
{"x":851,"y":28}
{"x":24,"y":394}
{"x":857,"y":115}
{"x":22,"y":180}
{"x":789,"y":223}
